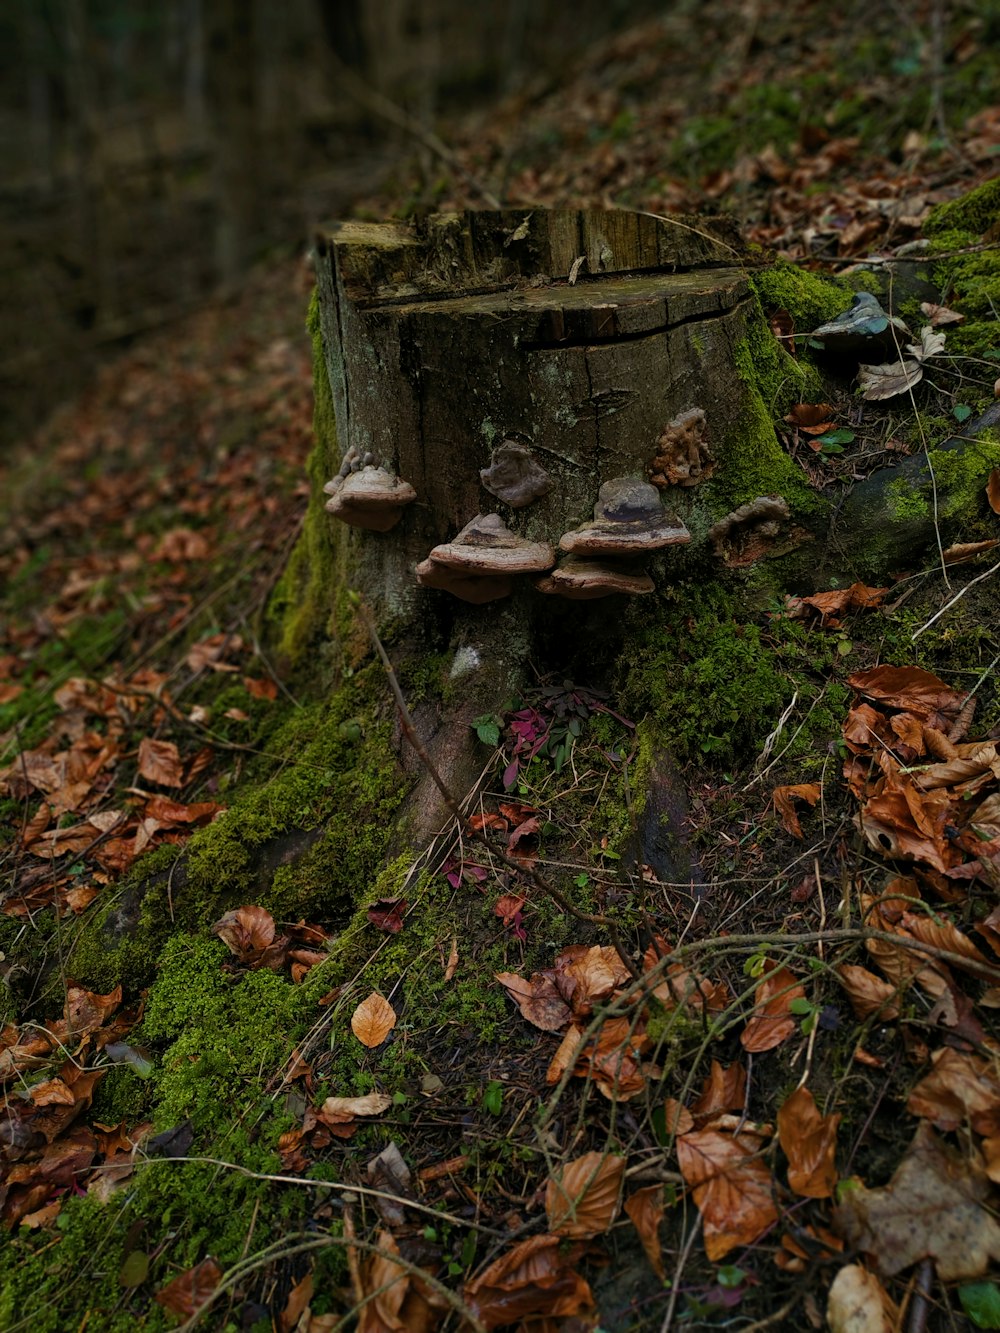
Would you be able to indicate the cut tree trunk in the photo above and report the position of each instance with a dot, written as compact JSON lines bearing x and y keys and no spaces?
{"x":611,"y":356}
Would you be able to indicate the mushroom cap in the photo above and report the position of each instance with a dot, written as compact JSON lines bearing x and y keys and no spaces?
{"x":628,"y":519}
{"x":487,"y":546}
{"x":514,"y":476}
{"x":476,"y":588}
{"x":369,"y":498}
{"x":586,"y":580}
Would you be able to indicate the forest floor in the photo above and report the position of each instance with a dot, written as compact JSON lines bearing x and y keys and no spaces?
{"x":261,"y":1069}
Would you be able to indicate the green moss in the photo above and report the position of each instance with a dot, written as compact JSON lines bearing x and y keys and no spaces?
{"x":959,"y":476}
{"x":809,"y":298}
{"x":300,"y":607}
{"x":973,"y":213}
{"x":755,"y":462}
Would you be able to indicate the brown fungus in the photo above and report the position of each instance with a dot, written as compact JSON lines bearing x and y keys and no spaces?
{"x":480,"y":562}
{"x":628,"y":520}
{"x":750,"y":532}
{"x":367,"y":496}
{"x":514,"y":476}
{"x":683,"y":457}
{"x":586,"y":580}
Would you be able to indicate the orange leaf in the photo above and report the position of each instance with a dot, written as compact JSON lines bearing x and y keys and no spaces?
{"x":724,"y":1089}
{"x":532,"y":1281}
{"x":909,"y":689}
{"x":809,"y":1141}
{"x":260,"y":689}
{"x":993,"y":490}
{"x":868,"y":993}
{"x":731,"y":1185}
{"x":645,"y":1208}
{"x":581,"y":1201}
{"x":538,"y":999}
{"x":189,"y":1291}
{"x":246,"y":932}
{"x":783,"y":797}
{"x":960,"y":1088}
{"x":373,"y":1020}
{"x":771,"y":1021}
{"x":160,"y":761}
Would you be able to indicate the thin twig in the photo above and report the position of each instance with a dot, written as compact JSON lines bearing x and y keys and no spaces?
{"x":952,"y":600}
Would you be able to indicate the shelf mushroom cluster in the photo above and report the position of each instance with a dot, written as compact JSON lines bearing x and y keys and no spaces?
{"x":365,"y":495}
{"x":479,"y":564}
{"x":603,"y":555}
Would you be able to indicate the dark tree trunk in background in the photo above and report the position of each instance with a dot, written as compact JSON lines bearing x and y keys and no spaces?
{"x":343,"y":24}
{"x":232,"y":91}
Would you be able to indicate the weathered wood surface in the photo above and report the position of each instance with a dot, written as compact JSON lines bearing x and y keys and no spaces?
{"x":577,"y":335}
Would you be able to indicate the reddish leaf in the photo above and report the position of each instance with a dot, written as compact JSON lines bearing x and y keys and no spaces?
{"x":771,"y":1022}
{"x":160,"y":761}
{"x":581,"y":1199}
{"x":809,"y":1141}
{"x":387,"y":914}
{"x":534,"y":1281}
{"x":783,"y":798}
{"x":261,"y":689}
{"x":190,"y":1291}
{"x":724,"y":1089}
{"x":731,"y":1185}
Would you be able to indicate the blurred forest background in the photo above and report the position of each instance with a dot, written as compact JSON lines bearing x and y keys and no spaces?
{"x":150,"y":150}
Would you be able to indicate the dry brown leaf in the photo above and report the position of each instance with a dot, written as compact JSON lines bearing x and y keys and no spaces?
{"x":189,"y":1291}
{"x":940,"y":933}
{"x":960,"y":1088}
{"x":909,"y":689}
{"x":813,"y":418}
{"x":858,"y":1303}
{"x":452,"y":965}
{"x":809,"y":1141}
{"x":889,"y":379}
{"x":935,"y":1207}
{"x":940,"y":314}
{"x":534,"y":1281}
{"x":783,"y":798}
{"x":724,"y":1089}
{"x":840,"y":600}
{"x":677,"y":1119}
{"x":538,"y":999}
{"x":85,"y":1012}
{"x":771,"y":1022}
{"x":645,"y":1208}
{"x":211,"y":651}
{"x":373,"y":1103}
{"x":868,"y":993}
{"x":373,"y":1020}
{"x":581,"y":1199}
{"x":160,"y":761}
{"x":246,"y":932}
{"x":731,"y":1185}
{"x":960,"y":551}
{"x":586,"y":976}
{"x":993,"y":489}
{"x":398,"y":1299}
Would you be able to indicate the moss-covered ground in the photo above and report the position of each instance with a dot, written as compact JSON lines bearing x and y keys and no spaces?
{"x":708,"y":694}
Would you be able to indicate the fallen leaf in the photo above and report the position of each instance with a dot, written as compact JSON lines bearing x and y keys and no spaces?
{"x":581,"y":1199}
{"x":731,"y":1185}
{"x":677,"y":1119}
{"x":451,"y":966}
{"x":953,"y":555}
{"x":645,"y":1208}
{"x":935,"y":1207}
{"x":931,"y":344}
{"x":387,"y":914}
{"x":534,"y":1281}
{"x":538,"y":999}
{"x":993,"y":489}
{"x":724,"y":1089}
{"x":160,"y":761}
{"x":840,"y":600}
{"x":961,"y":1088}
{"x":246,"y":932}
{"x":809,"y":1141}
{"x":858,"y":1303}
{"x":889,"y":379}
{"x":771,"y":1022}
{"x":189,"y":1292}
{"x":940,"y":314}
{"x":373,"y":1020}
{"x":85,"y":1012}
{"x":813,"y":418}
{"x":298,"y":1298}
{"x":397,"y":1298}
{"x":211,"y":651}
{"x":910,"y":689}
{"x":783,"y":797}
{"x":260,"y":689}
{"x":868,"y":993}
{"x":372,"y":1103}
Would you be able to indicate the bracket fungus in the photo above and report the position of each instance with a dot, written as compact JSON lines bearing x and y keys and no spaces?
{"x":479,"y":564}
{"x":628,"y":521}
{"x":367,"y":496}
{"x":514,"y":476}
{"x":683,"y":457}
{"x":749,"y":532}
{"x":586,"y":580}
